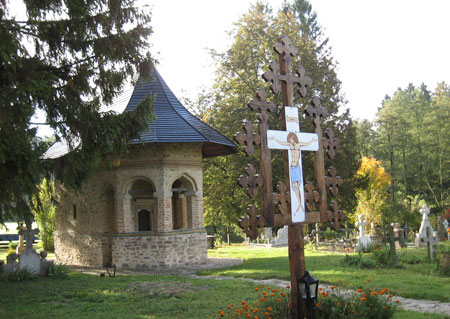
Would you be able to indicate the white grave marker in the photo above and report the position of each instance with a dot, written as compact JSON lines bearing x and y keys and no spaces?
{"x":294,"y":142}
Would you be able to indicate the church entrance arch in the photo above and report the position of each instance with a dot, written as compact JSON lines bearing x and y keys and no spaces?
{"x":143,"y":205}
{"x":182,"y":191}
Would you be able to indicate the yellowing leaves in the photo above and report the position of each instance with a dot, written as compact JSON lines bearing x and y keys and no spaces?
{"x":373,"y":196}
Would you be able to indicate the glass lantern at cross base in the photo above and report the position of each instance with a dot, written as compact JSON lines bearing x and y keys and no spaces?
{"x":309,"y":287}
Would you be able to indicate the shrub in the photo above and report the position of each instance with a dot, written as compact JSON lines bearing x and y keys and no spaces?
{"x":58,"y":271}
{"x":366,"y":302}
{"x":359,"y":261}
{"x":13,"y":245}
{"x":10,"y":251}
{"x":330,"y":234}
{"x":19,"y":275}
{"x":443,"y":260}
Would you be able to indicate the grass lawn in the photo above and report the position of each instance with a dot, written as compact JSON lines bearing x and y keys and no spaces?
{"x":412,"y":281}
{"x":87,"y":296}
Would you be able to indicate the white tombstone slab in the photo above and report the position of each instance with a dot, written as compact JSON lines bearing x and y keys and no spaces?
{"x":282,"y":237}
{"x":422,"y":237}
{"x":29,"y":258}
{"x":363,"y":241}
{"x":294,"y":142}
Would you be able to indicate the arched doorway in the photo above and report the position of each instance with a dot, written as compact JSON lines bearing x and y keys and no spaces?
{"x":143,"y":205}
{"x":182,"y":190}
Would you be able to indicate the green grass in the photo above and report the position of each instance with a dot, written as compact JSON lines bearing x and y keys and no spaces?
{"x":417,"y":281}
{"x":88,"y":296}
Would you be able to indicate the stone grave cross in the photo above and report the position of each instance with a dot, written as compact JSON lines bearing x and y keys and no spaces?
{"x":361,"y":223}
{"x":294,"y":142}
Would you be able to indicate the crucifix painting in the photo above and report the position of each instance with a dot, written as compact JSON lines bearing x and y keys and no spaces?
{"x":294,"y":142}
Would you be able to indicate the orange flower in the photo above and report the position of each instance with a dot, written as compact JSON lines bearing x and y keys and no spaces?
{"x":384,"y":307}
{"x":261,"y":299}
{"x":363,"y":298}
{"x":261,"y":287}
{"x":243,"y":302}
{"x":269,"y":308}
{"x":278,"y":300}
{"x":271,"y":295}
{"x":320,"y":289}
{"x":256,"y":289}
{"x":333,"y":287}
{"x":360,"y":290}
{"x":288,"y":287}
{"x":364,"y":282}
{"x":339,"y":304}
{"x":249,"y":315}
{"x":256,"y":317}
{"x":374,"y":293}
{"x":364,"y":295}
{"x":283,"y":294}
{"x":390,"y":295}
{"x":397,"y":301}
{"x":266,"y":314}
{"x":318,"y":304}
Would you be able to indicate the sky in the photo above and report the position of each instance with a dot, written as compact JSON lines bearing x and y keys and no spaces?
{"x":379,"y":45}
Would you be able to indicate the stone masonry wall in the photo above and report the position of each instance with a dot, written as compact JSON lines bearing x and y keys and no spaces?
{"x":162,"y":250}
{"x":105,"y":225}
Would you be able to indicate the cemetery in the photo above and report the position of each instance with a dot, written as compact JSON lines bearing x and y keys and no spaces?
{"x":262,"y":199}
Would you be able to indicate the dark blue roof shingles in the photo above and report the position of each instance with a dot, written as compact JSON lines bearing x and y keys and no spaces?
{"x":174,"y":123}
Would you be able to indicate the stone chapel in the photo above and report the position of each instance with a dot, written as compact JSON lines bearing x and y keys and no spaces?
{"x":148,"y":211}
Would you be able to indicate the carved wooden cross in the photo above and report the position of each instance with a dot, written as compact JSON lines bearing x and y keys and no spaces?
{"x":248,"y":138}
{"x":251,"y":223}
{"x":251,"y":181}
{"x":294,"y":142}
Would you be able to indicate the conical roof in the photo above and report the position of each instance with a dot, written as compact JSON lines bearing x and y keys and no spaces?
{"x":174,"y":124}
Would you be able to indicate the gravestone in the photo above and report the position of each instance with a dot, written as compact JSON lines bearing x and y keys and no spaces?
{"x":29,"y":258}
{"x":21,"y":246}
{"x":399,"y":235}
{"x":426,"y":232}
{"x":363,"y":241}
{"x":282,"y":237}
{"x":11,"y":263}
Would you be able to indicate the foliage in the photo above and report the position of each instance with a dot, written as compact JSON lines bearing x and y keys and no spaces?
{"x":329,"y":234}
{"x":66,"y":60}
{"x":19,"y":275}
{"x":366,"y":302}
{"x":11,"y":251}
{"x":44,"y":214}
{"x":270,"y":303}
{"x":238,"y":77}
{"x":13,"y":245}
{"x":410,"y":136}
{"x":58,"y":271}
{"x":373,"y":197}
{"x":443,"y":260}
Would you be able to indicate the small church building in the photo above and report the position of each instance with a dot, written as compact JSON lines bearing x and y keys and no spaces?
{"x":147,"y":212}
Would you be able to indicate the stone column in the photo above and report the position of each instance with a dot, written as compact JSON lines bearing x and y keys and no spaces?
{"x":184,"y":214}
{"x":124,"y":214}
{"x":164,"y":217}
{"x":197,"y":209}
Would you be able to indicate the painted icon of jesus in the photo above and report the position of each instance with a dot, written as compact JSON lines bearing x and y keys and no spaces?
{"x":295,"y":167}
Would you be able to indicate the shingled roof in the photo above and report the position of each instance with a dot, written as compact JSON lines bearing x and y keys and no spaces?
{"x":173,"y":124}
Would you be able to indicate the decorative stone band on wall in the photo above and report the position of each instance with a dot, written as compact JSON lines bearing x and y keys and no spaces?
{"x":148,"y":250}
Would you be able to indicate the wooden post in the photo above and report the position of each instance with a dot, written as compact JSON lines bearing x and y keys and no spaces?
{"x":295,"y":231}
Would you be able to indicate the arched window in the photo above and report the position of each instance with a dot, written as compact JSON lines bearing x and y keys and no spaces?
{"x":144,"y":220}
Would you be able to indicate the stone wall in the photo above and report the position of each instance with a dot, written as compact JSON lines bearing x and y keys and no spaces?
{"x":105,"y":225}
{"x":160,"y":250}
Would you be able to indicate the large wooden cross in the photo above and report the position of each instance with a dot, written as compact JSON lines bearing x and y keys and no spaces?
{"x":294,"y":204}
